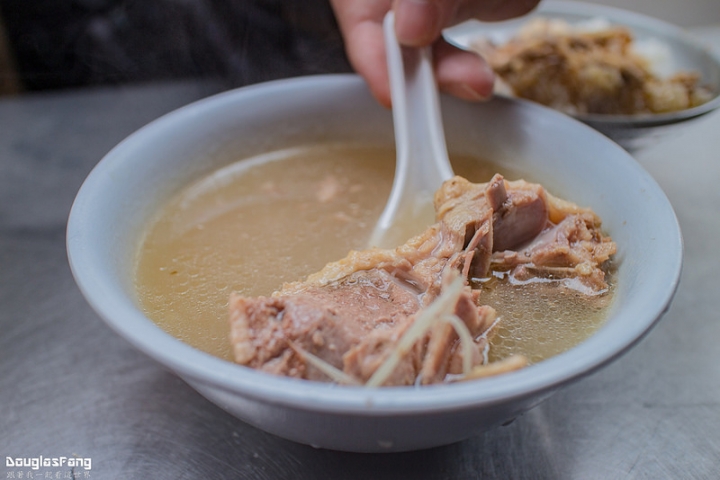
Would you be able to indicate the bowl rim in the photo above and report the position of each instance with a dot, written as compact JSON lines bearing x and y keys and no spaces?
{"x":123,"y":315}
{"x":593,"y":10}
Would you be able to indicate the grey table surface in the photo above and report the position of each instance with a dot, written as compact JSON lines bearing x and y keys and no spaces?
{"x":70,"y":386}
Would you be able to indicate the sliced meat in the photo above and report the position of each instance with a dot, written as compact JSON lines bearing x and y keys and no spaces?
{"x":521,"y":217}
{"x":575,"y":248}
{"x":325,"y":321}
{"x":352,"y":314}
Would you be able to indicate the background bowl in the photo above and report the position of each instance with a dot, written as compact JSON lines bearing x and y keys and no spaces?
{"x":630,"y":131}
{"x":128,"y":186}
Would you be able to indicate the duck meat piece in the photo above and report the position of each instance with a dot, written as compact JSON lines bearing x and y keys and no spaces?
{"x":352,"y":314}
{"x":573,"y":251}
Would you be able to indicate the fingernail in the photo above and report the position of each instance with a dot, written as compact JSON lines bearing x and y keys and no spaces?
{"x":417,"y":22}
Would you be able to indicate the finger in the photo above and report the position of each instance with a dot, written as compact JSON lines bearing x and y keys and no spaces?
{"x":366,"y":51}
{"x":462,"y":74}
{"x":420,"y":22}
{"x":491,"y":10}
{"x":361,"y":24}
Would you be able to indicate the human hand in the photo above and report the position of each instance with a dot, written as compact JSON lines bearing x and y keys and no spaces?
{"x":419,"y":23}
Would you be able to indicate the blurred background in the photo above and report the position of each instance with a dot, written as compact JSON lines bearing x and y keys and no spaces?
{"x":52,"y":44}
{"x":55,"y":44}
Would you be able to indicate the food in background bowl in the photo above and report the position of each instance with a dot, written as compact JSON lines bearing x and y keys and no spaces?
{"x":669,"y":49}
{"x":592,"y":67}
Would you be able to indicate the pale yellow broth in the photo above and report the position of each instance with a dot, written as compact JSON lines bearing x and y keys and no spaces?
{"x":260,"y":222}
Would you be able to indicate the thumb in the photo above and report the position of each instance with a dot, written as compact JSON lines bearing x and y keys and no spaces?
{"x":419,"y":22}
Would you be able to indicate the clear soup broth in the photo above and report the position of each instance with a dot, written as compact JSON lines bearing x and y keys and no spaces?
{"x":260,"y":222}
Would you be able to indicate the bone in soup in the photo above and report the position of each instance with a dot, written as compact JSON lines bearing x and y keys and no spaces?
{"x":257,"y":224}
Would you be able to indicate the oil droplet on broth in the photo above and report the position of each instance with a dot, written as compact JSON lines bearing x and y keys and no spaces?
{"x":250,"y":229}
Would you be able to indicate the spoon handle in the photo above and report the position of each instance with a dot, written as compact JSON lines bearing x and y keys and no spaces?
{"x":422,"y":162}
{"x":416,"y":109}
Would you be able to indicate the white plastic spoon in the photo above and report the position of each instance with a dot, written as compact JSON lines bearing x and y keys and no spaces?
{"x":422,"y":162}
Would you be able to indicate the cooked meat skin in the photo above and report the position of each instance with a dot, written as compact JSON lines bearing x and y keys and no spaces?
{"x":354,"y":311}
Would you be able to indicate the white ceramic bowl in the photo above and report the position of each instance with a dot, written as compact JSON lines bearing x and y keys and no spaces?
{"x":683,"y":53}
{"x":126,"y":188}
